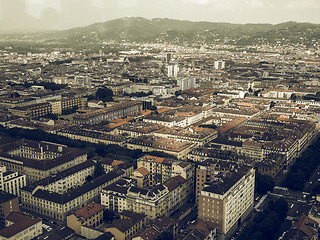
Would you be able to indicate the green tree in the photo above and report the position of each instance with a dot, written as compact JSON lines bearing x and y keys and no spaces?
{"x":264,"y":183}
{"x":98,"y":169}
{"x":104,"y":94}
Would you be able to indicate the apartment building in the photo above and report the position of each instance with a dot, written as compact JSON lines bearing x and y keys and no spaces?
{"x":38,"y":160}
{"x":21,"y":227}
{"x":137,"y":129}
{"x":196,"y":135}
{"x":45,"y":201}
{"x":162,"y":169}
{"x":8,"y":203}
{"x":160,"y":200}
{"x":228,"y":200}
{"x":142,"y":176}
{"x":92,"y":136}
{"x":208,"y":170}
{"x":153,"y":143}
{"x":35,"y":110}
{"x":68,"y":103}
{"x":90,"y":215}
{"x":114,"y":196}
{"x":129,"y":224}
{"x":119,"y":110}
{"x":11,"y":182}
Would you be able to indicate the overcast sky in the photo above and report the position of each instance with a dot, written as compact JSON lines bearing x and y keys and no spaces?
{"x":64,"y":14}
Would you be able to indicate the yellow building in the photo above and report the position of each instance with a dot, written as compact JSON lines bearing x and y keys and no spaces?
{"x":90,"y":216}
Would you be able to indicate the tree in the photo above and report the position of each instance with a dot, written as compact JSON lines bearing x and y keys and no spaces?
{"x":295,"y":180}
{"x":281,"y":208}
{"x":98,"y":169}
{"x":104,"y":94}
{"x":264,"y":183}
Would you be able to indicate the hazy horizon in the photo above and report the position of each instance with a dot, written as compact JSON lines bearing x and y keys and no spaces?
{"x":65,"y":14}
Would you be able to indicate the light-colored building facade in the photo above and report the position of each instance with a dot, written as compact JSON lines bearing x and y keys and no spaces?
{"x":11,"y":182}
{"x":60,"y":205}
{"x":38,"y":160}
{"x":21,"y":227}
{"x":90,"y":216}
{"x":228,"y":200}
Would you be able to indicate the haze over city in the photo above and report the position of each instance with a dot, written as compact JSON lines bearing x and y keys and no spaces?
{"x":159,"y":120}
{"x":64,"y":14}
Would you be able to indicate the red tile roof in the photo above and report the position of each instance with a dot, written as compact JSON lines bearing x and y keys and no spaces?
{"x":90,"y":210}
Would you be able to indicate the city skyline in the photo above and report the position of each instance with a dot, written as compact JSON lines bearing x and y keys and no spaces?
{"x":61,"y":14}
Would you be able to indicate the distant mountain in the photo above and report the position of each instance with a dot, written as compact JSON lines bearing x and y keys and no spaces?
{"x":138,"y":29}
{"x":178,"y":31}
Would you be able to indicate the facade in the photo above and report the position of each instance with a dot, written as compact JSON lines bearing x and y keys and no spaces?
{"x":68,"y":103}
{"x":196,"y":135}
{"x":11,"y":182}
{"x":59,"y":205}
{"x":21,"y":227}
{"x":114,"y":196}
{"x":8,"y":203}
{"x":38,"y":160}
{"x":161,"y":200}
{"x":119,"y":110}
{"x":127,"y":226}
{"x":90,"y":216}
{"x":153,"y":143}
{"x":142,"y":176}
{"x":228,"y":200}
{"x":185,"y":84}
{"x":162,"y":169}
{"x":92,"y":136}
{"x":36,"y":110}
{"x":173,"y":70}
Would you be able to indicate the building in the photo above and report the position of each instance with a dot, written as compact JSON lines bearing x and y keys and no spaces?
{"x":304,"y":228}
{"x":119,"y":110}
{"x":228,"y":200}
{"x":90,"y":216}
{"x":199,"y":230}
{"x":161,"y":200}
{"x":219,"y":64}
{"x":185,"y":84}
{"x":35,"y":110}
{"x":162,"y":169}
{"x":50,"y":203}
{"x":68,"y":103}
{"x":142,"y":176}
{"x":152,"y":143}
{"x":173,"y":70}
{"x":21,"y":227}
{"x":8,"y":203}
{"x":38,"y":160}
{"x":127,"y":226}
{"x":11,"y":182}
{"x":163,"y":224}
{"x":114,"y":196}
{"x":92,"y":136}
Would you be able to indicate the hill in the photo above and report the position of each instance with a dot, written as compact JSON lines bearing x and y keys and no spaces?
{"x":162,"y":30}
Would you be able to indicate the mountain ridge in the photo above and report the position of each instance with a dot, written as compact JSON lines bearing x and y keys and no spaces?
{"x":165,"y":30}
